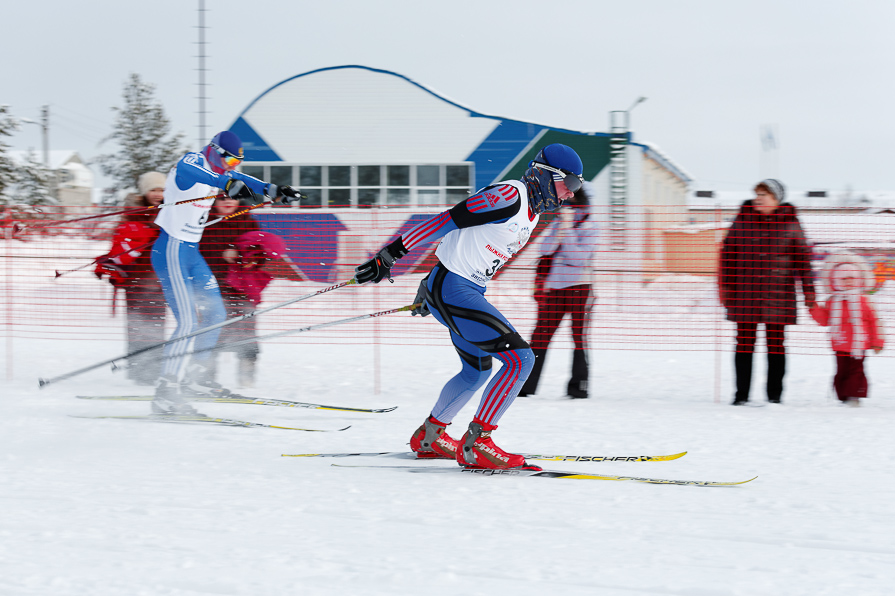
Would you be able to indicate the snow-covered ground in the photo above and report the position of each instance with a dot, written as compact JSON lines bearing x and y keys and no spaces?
{"x":114,"y":507}
{"x":108,"y":507}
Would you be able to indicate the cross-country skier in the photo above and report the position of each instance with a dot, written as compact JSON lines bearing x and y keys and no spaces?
{"x":479,"y":236}
{"x":191,"y":289}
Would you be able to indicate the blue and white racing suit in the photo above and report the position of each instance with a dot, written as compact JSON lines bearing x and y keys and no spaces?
{"x":479,"y":236}
{"x":190,"y":288}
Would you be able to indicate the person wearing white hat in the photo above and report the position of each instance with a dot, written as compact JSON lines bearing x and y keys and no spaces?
{"x":127,"y":266}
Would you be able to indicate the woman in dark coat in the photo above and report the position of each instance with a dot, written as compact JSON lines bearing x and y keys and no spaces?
{"x":218,"y":247}
{"x":763,"y":255}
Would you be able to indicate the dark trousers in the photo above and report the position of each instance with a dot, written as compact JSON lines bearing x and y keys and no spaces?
{"x":551,"y":310}
{"x":774,"y":338}
{"x":850,"y":380}
{"x":237,"y":305}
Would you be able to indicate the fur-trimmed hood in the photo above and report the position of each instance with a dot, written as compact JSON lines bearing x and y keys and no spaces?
{"x":846,"y":260}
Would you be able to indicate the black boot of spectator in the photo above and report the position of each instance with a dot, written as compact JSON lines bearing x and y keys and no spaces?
{"x":578,"y":385}
{"x":742,"y":362}
{"x":776,"y":371}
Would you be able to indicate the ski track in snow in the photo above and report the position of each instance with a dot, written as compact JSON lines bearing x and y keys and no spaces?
{"x":109,"y":507}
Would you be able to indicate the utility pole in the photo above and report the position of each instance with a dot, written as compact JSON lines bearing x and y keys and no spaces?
{"x":202,"y":70}
{"x":44,"y":124}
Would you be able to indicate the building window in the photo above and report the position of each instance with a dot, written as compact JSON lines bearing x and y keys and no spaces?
{"x":310,"y":176}
{"x":310,"y":180}
{"x":366,"y":186}
{"x":339,"y":197}
{"x":398,"y":175}
{"x":338,"y":183}
{"x":368,"y":197}
{"x":457,"y":176}
{"x":280,"y":175}
{"x":428,"y":176}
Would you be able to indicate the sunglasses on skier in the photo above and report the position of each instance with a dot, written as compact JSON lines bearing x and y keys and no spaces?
{"x":229,"y":159}
{"x":573,"y":181}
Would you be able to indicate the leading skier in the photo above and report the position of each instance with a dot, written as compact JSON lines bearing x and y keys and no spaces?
{"x":190,"y":288}
{"x":479,"y":235}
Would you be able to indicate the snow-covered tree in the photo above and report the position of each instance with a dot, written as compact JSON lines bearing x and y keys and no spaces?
{"x":8,"y":170}
{"x":141,"y":131}
{"x":33,"y":183}
{"x":21,"y":183}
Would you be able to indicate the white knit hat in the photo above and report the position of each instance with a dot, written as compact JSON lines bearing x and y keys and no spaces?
{"x":150,"y":180}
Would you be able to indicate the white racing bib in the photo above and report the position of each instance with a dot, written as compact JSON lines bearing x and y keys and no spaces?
{"x":476,"y":253}
{"x":185,"y":222}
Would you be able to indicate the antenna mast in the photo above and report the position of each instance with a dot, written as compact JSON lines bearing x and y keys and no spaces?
{"x":203,"y":138}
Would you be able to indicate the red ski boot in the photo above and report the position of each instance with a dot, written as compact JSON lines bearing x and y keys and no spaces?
{"x":477,"y":450}
{"x":432,"y":441}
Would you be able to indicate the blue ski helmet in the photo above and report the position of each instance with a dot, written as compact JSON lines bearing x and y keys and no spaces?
{"x":225,"y":151}
{"x":540,"y":182}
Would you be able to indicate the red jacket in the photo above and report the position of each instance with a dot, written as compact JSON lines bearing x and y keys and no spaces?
{"x":843,"y":340}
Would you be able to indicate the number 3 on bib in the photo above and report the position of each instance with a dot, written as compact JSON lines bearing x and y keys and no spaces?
{"x":492,"y":271}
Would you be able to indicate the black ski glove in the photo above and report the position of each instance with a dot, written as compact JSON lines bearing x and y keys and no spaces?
{"x":423,"y":308}
{"x":380,"y":266}
{"x":291,"y":195}
{"x":237,"y":189}
{"x":284,"y":194}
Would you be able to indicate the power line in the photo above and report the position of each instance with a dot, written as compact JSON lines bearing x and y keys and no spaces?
{"x":82,"y":115}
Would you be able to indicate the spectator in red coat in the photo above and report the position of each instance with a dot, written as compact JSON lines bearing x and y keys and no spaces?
{"x":854,"y":324}
{"x":127,"y":266}
{"x":763,"y":255}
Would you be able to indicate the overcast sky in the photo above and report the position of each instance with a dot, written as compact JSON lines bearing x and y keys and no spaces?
{"x":714,"y":71}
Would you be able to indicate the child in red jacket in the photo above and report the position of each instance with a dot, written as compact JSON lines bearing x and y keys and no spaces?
{"x":854,"y":325}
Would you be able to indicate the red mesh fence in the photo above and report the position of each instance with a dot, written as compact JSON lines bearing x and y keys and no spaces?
{"x":654,"y":290}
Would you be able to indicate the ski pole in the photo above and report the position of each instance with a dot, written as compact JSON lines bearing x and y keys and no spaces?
{"x":18,"y":226}
{"x":44,"y":382}
{"x":240,"y":212}
{"x":210,"y":223}
{"x":104,"y":258}
{"x":232,"y":344}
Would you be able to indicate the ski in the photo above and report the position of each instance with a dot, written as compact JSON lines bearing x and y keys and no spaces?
{"x":535,"y":456}
{"x":544,"y":474}
{"x":245,"y":399}
{"x":188,"y":419}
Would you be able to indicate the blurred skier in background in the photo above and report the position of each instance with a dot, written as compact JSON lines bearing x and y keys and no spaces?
{"x":563,"y":285}
{"x":191,"y":290}
{"x":479,"y":235}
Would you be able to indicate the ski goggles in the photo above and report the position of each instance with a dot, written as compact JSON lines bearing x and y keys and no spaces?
{"x":573,"y":181}
{"x":228,"y":159}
